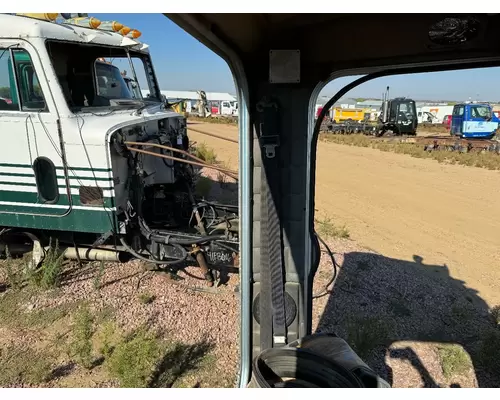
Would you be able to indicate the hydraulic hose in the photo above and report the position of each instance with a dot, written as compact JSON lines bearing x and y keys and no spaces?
{"x":137,"y":255}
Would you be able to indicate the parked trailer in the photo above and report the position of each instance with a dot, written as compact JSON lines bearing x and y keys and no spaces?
{"x":433,"y":114}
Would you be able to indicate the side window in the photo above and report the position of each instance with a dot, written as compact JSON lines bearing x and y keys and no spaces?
{"x":461,"y":110}
{"x":8,"y":95}
{"x":27,"y":82}
{"x":46,"y":180}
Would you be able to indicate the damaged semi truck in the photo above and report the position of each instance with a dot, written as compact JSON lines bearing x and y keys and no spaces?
{"x":106,"y":173}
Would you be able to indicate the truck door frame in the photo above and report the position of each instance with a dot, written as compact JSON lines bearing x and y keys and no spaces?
{"x":457,"y":119}
{"x":39,"y":126}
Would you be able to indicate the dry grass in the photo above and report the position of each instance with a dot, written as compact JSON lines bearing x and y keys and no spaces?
{"x":488,"y":160}
{"x":454,"y":360}
{"x":326,"y":228}
{"x":214,"y":120}
{"x":24,"y":365}
{"x":73,"y":336}
{"x":206,"y":153}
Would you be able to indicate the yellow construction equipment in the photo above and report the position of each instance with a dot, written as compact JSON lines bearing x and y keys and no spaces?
{"x":179,"y":107}
{"x":354,"y":114}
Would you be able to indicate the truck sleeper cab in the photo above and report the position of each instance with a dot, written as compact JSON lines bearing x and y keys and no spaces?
{"x":473,"y":120}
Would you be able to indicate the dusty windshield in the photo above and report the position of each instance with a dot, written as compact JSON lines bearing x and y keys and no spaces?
{"x":93,"y":76}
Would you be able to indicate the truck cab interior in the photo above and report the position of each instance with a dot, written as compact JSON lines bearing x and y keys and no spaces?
{"x":280,"y":65}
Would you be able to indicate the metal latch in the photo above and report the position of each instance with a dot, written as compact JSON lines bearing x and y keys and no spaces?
{"x":279,"y":339}
{"x":269,"y":143}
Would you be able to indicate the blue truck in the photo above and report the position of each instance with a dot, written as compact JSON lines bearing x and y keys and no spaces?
{"x":473,"y":120}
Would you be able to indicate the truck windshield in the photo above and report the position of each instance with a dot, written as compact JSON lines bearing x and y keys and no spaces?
{"x":407,"y":108}
{"x":483,"y":112}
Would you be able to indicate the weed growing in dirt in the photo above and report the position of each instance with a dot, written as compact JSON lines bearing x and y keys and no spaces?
{"x":146,"y":298}
{"x":364,"y":335}
{"x":206,"y":153}
{"x":454,"y":360}
{"x":487,"y":160}
{"x":13,"y":271}
{"x":135,"y":358}
{"x":203,"y":186}
{"x":52,"y":265}
{"x":24,"y":366}
{"x":106,"y":336}
{"x":327,"y":229}
{"x":81,"y":347}
{"x":98,"y":278}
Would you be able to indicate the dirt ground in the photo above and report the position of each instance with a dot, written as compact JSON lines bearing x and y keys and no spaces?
{"x":404,"y":207}
{"x":413,"y":292}
{"x":418,"y":277}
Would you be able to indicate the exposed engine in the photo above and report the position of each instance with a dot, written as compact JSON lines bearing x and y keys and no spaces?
{"x":162,"y":218}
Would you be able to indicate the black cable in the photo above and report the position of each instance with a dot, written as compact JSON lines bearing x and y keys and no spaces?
{"x":137,"y":255}
{"x":197,"y":240}
{"x":335,"y":270}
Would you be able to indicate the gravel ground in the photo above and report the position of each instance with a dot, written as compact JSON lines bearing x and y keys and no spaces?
{"x":185,"y":311}
{"x":402,"y":312}
{"x":395,"y":313}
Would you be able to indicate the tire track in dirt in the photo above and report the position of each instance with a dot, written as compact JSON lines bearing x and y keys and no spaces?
{"x":403,"y":207}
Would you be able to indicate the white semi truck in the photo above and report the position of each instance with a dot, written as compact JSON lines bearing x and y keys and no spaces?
{"x":85,"y":161}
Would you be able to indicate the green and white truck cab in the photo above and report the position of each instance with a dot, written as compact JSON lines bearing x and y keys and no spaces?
{"x":65,"y":167}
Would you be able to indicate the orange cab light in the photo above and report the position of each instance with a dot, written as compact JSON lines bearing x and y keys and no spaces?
{"x":134,"y":34}
{"x":113,"y":26}
{"x":44,"y":16}
{"x":86,"y":22}
{"x":125,"y":30}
